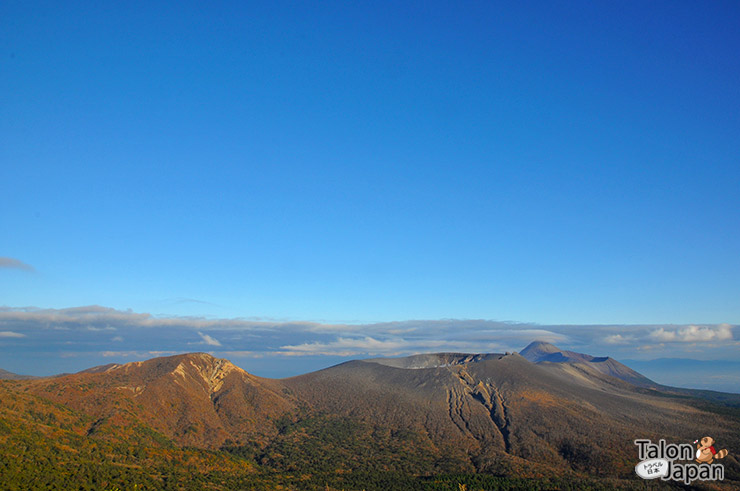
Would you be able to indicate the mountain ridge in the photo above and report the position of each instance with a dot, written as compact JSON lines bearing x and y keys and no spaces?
{"x":544,"y":352}
{"x":421,"y":414}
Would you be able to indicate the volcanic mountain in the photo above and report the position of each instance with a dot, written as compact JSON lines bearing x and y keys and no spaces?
{"x":499,"y":411}
{"x":542,"y":352}
{"x":195,"y":399}
{"x":538,"y":413}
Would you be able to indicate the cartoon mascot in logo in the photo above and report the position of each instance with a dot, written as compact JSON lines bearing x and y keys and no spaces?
{"x":705,"y":452}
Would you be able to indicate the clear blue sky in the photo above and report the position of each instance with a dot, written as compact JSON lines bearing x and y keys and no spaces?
{"x":550,"y":162}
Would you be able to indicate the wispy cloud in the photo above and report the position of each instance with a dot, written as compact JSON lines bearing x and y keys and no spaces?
{"x":188,"y":300}
{"x":11,"y":334}
{"x":136,"y":354}
{"x":98,"y":317}
{"x":383,"y":347}
{"x":346,"y":347}
{"x":12,"y":263}
{"x":243,"y":354}
{"x":210,"y":341}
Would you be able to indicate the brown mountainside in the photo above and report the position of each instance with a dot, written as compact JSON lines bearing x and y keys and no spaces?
{"x":195,"y":399}
{"x":447,"y":412}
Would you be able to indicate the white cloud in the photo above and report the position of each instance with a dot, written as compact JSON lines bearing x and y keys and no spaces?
{"x":11,"y":334}
{"x":161,"y":353}
{"x":618,"y":339}
{"x":209,"y":340}
{"x":521,"y":335}
{"x":344,"y":347}
{"x":389,"y":347}
{"x":117,"y":339}
{"x":662,"y":335}
{"x":694,"y":334}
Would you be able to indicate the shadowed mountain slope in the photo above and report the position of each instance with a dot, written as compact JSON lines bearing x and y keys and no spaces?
{"x":541,"y":352}
{"x":548,"y":355}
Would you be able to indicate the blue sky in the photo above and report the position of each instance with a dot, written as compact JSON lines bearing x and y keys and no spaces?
{"x":356,"y":163}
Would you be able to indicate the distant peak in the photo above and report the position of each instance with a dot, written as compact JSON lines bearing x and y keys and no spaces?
{"x":542,"y":346}
{"x":538,"y":351}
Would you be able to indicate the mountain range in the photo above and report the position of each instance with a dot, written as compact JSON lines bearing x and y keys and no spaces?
{"x":543,"y":413}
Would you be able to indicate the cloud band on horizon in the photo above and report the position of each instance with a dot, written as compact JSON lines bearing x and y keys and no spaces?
{"x":96,"y":329}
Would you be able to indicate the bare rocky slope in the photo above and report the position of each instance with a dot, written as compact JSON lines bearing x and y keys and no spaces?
{"x":542,"y":352}
{"x":503,"y":411}
{"x":195,"y":399}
